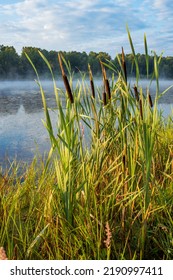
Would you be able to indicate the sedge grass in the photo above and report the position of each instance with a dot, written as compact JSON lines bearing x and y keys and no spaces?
{"x":109,"y":197}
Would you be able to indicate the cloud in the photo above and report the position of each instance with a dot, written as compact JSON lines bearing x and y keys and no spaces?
{"x":85,"y":25}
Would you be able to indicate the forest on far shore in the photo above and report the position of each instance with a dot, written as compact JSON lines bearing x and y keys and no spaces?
{"x":15,"y":66}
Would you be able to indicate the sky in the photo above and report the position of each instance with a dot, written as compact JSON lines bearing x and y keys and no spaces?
{"x":87,"y":25}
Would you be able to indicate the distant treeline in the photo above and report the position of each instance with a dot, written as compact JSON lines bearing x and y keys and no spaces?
{"x":15,"y":66}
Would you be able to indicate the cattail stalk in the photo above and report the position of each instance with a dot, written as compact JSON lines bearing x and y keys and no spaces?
{"x":103,"y":71}
{"x":65,"y":79}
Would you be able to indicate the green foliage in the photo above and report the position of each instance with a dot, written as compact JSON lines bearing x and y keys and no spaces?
{"x":9,"y":62}
{"x":13,"y":65}
{"x":16,"y":66}
{"x":106,"y":189}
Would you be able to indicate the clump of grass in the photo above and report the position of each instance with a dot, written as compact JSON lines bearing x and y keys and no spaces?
{"x":105,"y":197}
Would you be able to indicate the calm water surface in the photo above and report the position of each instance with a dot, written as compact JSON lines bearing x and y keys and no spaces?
{"x":22,"y":133}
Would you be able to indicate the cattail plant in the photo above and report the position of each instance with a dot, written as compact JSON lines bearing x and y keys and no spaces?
{"x":65,"y":79}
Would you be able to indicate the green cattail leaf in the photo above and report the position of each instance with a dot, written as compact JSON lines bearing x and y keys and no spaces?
{"x":47,"y":63}
{"x":33,"y":66}
{"x":156,"y":72}
{"x":48,"y":120}
{"x":131,"y":42}
{"x":134,"y":54}
{"x":50,"y":69}
{"x":37,"y":240}
{"x":146,"y":55}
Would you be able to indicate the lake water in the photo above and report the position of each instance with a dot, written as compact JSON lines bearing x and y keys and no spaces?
{"x":22,"y":133}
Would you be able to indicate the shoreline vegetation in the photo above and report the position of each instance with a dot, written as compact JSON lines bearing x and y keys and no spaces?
{"x":105,"y":190}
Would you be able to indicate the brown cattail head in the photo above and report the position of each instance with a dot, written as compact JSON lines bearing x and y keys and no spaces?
{"x":92,"y":88}
{"x":124,"y":159}
{"x":68,"y":88}
{"x":140,"y":108}
{"x":65,"y":79}
{"x":104,"y":98}
{"x":91,"y":81}
{"x":105,"y":81}
{"x":136,"y":93}
{"x":150,"y":100}
{"x":124,"y":65}
{"x":3,"y":254}
{"x":107,"y":87}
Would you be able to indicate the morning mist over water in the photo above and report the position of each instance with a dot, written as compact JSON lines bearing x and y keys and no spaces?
{"x":22,"y":132}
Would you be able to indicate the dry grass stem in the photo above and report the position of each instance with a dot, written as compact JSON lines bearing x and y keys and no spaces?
{"x":108,"y":236}
{"x":103,"y":71}
{"x":60,"y":64}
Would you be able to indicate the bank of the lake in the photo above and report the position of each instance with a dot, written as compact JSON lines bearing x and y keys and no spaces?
{"x":109,"y":200}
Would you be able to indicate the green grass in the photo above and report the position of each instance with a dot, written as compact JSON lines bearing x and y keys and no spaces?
{"x":106,"y":188}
